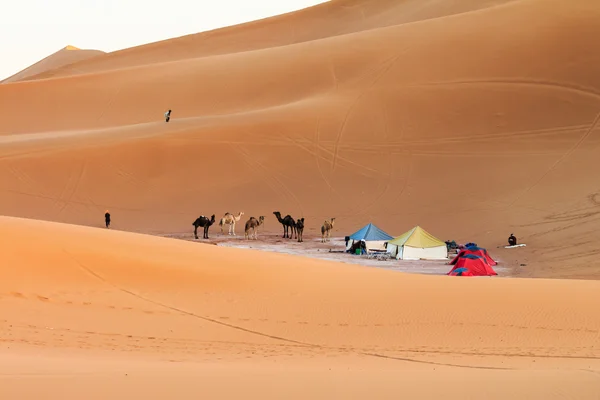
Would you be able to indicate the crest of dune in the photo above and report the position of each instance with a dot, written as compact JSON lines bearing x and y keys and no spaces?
{"x":65,"y":56}
{"x":473,"y":119}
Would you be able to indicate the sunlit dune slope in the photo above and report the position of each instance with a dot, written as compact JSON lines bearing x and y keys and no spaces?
{"x":65,"y":56}
{"x":332,"y":18}
{"x":472,"y":124}
{"x":161,"y":299}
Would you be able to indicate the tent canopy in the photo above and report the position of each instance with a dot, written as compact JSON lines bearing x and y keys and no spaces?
{"x":370,"y":233}
{"x":475,"y":266}
{"x":417,"y":237}
{"x":478,"y":251}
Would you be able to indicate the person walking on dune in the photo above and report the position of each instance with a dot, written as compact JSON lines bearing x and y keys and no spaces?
{"x":168,"y":116}
{"x":107,"y":218}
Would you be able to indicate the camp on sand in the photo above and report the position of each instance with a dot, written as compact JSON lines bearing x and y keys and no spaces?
{"x":373,"y":237}
{"x":417,"y":244}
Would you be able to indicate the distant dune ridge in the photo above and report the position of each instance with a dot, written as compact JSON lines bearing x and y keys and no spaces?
{"x":472,"y":119}
{"x":65,"y":56}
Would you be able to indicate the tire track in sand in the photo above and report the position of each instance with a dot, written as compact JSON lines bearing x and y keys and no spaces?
{"x":74,"y":188}
{"x":385,"y":68}
{"x":258,"y":165}
{"x":564,"y":86}
{"x":97,"y":276}
{"x":560,"y":160}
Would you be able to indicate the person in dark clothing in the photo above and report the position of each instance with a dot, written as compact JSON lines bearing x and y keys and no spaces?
{"x":512,"y":240}
{"x":168,"y":116}
{"x":107,"y":218}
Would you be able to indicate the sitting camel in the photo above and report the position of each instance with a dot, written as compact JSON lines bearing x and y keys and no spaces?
{"x":253,"y":224}
{"x":205,"y":223}
{"x":288,"y":223}
{"x":326,"y":230}
{"x":230,"y":219}
{"x":300,"y":228}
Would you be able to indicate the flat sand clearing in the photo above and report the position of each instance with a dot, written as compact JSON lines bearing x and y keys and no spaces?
{"x":470,"y":118}
{"x":334,"y":250}
{"x":94,"y":313}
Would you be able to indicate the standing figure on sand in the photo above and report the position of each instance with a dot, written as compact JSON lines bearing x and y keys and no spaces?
{"x":326,"y":230}
{"x":252,"y":225}
{"x":168,"y":116}
{"x":205,"y":223}
{"x":288,"y":224}
{"x":230,"y":219}
{"x":107,"y":218}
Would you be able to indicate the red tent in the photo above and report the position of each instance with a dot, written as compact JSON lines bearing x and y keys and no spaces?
{"x":477,"y":251}
{"x":474,"y":265}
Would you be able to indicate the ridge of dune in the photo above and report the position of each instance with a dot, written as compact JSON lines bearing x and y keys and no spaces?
{"x":328,"y":19}
{"x":111,"y":303}
{"x":66,"y":56}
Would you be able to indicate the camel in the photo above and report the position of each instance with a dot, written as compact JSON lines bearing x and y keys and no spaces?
{"x":252,"y":225}
{"x":230,"y":219}
{"x":288,"y":223}
{"x":205,"y":223}
{"x":300,"y":228}
{"x":326,"y":230}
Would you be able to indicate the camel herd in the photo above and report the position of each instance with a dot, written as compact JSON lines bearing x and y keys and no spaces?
{"x":292,"y":229}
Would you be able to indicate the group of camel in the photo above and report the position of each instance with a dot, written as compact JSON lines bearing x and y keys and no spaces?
{"x":290,"y":226}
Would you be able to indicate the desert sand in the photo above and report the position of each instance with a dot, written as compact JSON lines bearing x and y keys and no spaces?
{"x":116,"y":314}
{"x":473,"y":119}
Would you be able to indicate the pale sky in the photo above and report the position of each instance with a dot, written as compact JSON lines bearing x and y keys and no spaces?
{"x":33,"y":29}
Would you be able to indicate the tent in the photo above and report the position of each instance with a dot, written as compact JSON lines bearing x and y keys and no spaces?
{"x":417,"y":244}
{"x":460,"y":272}
{"x":472,"y":265}
{"x":374,"y":237}
{"x":478,"y":251}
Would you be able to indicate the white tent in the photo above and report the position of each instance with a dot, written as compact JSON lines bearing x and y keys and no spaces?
{"x":417,"y":244}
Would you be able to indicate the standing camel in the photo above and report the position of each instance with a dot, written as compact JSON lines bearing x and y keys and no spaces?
{"x":205,"y":223}
{"x":252,"y":225}
{"x":230,"y":219}
{"x":326,"y":230}
{"x":288,"y":223}
{"x":300,"y":228}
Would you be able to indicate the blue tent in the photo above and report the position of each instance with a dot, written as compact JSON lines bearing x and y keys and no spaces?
{"x":370,"y":233}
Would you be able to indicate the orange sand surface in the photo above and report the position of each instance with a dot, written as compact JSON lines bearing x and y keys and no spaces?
{"x":91,"y":313}
{"x":470,"y":118}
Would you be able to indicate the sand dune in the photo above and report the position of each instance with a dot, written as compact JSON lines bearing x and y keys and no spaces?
{"x":472,"y":119}
{"x":332,"y":18}
{"x":65,"y":56}
{"x":115,"y":303}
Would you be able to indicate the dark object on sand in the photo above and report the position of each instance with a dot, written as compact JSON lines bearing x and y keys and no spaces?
{"x":205,"y":223}
{"x":289,"y":225}
{"x":358,"y":247}
{"x":107,"y":218}
{"x":451,"y":245}
{"x":300,"y":228}
{"x":512,"y":240}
